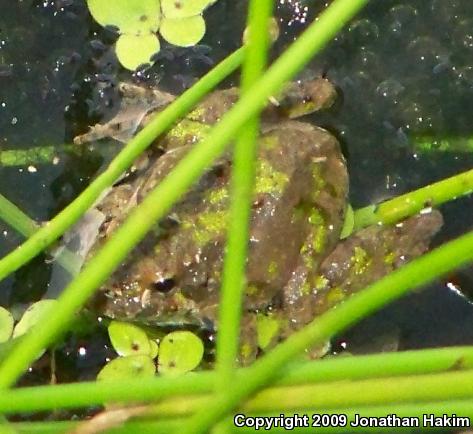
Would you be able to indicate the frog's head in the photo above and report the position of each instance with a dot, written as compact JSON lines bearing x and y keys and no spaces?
{"x":304,"y":97}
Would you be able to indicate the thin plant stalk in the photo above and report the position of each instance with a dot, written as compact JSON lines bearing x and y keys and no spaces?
{"x":416,"y":273}
{"x":408,"y":204}
{"x":72,"y":213}
{"x":242,"y":183}
{"x":172,"y":188}
{"x":75,"y":395}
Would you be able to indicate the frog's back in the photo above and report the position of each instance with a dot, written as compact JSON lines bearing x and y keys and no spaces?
{"x":175,"y":272}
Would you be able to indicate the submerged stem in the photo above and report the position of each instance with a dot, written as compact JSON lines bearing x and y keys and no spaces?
{"x":16,"y":218}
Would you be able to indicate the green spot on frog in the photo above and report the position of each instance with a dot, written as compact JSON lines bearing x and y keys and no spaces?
{"x":315,"y":217}
{"x":269,"y":142}
{"x":319,"y":239}
{"x":207,"y":227}
{"x":218,"y":196}
{"x":319,"y":232}
{"x":305,"y":288}
{"x":360,"y":261}
{"x":320,"y":282}
{"x":389,"y":258}
{"x":335,"y":295}
{"x":197,"y":114}
{"x":246,"y":351}
{"x":317,"y":176}
{"x":273,"y":268}
{"x":189,"y":127}
{"x":251,"y":290}
{"x":269,"y":180}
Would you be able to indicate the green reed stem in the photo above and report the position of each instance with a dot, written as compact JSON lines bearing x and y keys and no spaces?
{"x":171,"y":189}
{"x":434,"y":144}
{"x":409,"y":204}
{"x":327,"y":370}
{"x":67,"y":217}
{"x":418,"y":272}
{"x":16,"y":218}
{"x":242,"y":182}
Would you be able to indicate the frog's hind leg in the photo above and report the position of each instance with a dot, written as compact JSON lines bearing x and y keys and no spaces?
{"x":358,"y":261}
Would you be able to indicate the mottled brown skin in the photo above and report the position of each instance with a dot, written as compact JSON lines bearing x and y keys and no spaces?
{"x":297,"y":267}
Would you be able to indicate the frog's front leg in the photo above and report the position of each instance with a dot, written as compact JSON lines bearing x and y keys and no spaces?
{"x":137,"y":102}
{"x":356,"y":262}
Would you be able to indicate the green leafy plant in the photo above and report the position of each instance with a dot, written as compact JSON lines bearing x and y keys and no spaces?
{"x":127,"y":367}
{"x":179,"y":22}
{"x":179,"y":352}
{"x":129,"y":340}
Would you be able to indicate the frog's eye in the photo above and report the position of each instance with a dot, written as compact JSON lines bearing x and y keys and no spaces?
{"x":164,"y":285}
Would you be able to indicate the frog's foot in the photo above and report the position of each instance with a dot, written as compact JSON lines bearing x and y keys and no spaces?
{"x":136,"y":103}
{"x":274,"y":326}
{"x":356,"y":262}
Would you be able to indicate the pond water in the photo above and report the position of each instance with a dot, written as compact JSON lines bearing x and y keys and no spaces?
{"x":403,"y":69}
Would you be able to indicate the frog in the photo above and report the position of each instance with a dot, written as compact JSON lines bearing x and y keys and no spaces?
{"x":297,"y":267}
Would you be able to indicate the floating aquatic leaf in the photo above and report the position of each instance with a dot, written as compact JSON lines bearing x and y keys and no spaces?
{"x":266,"y":327}
{"x":349,"y":223}
{"x":180,"y":352}
{"x":184,"y":8}
{"x":127,"y":367}
{"x":183,"y":32}
{"x":128,"y":339}
{"x":133,"y":51}
{"x":6,"y":325}
{"x":35,"y":314}
{"x":130,"y":16}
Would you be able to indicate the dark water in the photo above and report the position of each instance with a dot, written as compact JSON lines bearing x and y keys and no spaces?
{"x":402,"y":68}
